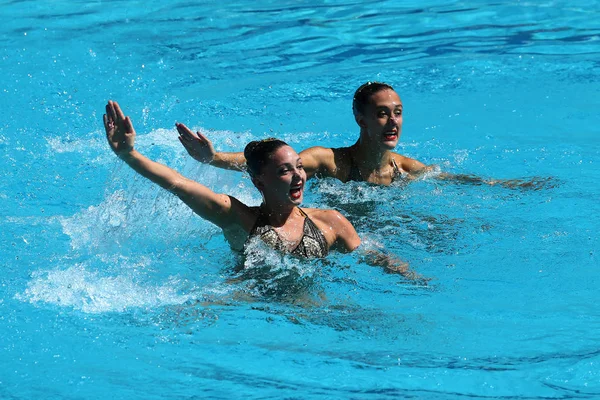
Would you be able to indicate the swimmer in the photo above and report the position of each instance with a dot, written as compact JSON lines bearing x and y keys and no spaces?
{"x":278,"y":173}
{"x":378,"y":112}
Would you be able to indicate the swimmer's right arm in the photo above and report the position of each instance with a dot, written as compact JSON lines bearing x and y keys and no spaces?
{"x":318,"y":161}
{"x":201,"y":149}
{"x":220,"y":209}
{"x":315,"y":160}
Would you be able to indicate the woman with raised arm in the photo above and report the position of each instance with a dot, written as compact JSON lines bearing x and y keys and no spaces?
{"x":378,"y":112}
{"x":278,"y":173}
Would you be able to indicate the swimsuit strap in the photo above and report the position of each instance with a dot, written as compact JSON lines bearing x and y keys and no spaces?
{"x":397,"y":171}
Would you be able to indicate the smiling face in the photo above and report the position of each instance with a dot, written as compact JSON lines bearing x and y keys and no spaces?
{"x":381,"y":119}
{"x":282,"y":178}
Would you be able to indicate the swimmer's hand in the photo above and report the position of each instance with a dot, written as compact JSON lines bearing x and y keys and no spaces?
{"x":119,"y":130}
{"x":197,"y":145}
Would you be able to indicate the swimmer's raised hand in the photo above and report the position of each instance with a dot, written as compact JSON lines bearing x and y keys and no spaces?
{"x":197,"y":145}
{"x":119,"y":129}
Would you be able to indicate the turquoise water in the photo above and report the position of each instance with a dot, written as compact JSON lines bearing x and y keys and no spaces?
{"x":111,"y":288}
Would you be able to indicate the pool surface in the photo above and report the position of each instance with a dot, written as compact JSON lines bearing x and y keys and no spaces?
{"x":111,"y":288}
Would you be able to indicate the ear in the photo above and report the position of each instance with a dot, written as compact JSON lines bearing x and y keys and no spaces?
{"x":258,"y":183}
{"x":360,"y":120}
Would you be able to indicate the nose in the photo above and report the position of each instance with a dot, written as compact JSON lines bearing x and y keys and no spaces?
{"x":297,"y":174}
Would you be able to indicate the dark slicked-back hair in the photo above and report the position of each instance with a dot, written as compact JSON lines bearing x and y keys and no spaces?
{"x":363,"y":94}
{"x":258,"y":152}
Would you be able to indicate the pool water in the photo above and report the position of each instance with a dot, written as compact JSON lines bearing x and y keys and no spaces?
{"x":110,"y":287}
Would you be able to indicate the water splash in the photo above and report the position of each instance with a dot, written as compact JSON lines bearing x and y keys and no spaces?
{"x":90,"y":291}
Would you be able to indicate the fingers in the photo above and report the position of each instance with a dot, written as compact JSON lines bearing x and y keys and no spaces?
{"x":109,"y":126}
{"x":184,"y":132}
{"x":186,"y":146}
{"x":119,"y":114}
{"x":106,"y":124}
{"x":128,"y":126}
{"x":110,"y":111}
{"x":202,"y":137}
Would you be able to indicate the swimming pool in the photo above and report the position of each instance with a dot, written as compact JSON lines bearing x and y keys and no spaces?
{"x":111,"y":288}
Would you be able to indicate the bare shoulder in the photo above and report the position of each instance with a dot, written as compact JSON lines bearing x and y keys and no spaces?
{"x":319,"y":161}
{"x":331,"y":218}
{"x":338,"y":231}
{"x":408,"y":164}
{"x":317,"y":151}
{"x":240,"y":214}
{"x":237,"y":233}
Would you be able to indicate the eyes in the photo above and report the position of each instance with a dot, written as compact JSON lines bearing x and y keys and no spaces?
{"x":384,"y":113}
{"x":287,"y":169}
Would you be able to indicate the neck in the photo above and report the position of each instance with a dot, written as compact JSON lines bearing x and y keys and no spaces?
{"x":370,"y":156}
{"x":277,"y":214}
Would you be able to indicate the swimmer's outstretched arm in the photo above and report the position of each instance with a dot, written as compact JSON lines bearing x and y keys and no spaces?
{"x":534,"y":183}
{"x":391,"y":264}
{"x":201,"y":149}
{"x":418,"y":169}
{"x":314,"y":159}
{"x":343,"y":237}
{"x":220,"y":209}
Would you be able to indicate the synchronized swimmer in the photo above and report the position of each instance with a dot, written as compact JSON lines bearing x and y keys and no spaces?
{"x":377,"y":110}
{"x":279,"y":174}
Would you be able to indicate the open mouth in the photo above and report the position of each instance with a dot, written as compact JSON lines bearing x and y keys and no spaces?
{"x":389,"y":136}
{"x":296,"y":192}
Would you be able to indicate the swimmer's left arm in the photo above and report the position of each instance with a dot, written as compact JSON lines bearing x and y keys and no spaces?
{"x":346,"y":240}
{"x":317,"y":161}
{"x":417,"y":169}
{"x":414,"y":168}
{"x":390,"y":264}
{"x":534,"y":183}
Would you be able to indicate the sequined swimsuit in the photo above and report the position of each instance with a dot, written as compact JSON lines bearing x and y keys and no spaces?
{"x":312,"y":244}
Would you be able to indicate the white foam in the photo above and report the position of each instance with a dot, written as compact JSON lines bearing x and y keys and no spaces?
{"x":88,"y":291}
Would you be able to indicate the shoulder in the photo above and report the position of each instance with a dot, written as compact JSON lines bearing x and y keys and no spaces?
{"x":237,"y":233}
{"x":317,"y":152}
{"x":322,"y":161}
{"x":332,"y":218}
{"x":338,"y":231}
{"x":408,"y":164}
{"x":242,"y":216}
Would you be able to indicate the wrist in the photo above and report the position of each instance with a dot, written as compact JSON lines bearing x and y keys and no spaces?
{"x":127,"y":154}
{"x":214,"y":158}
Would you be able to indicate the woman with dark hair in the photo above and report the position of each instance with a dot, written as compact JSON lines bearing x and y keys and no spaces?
{"x":377,"y":110}
{"x":278,"y":173}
